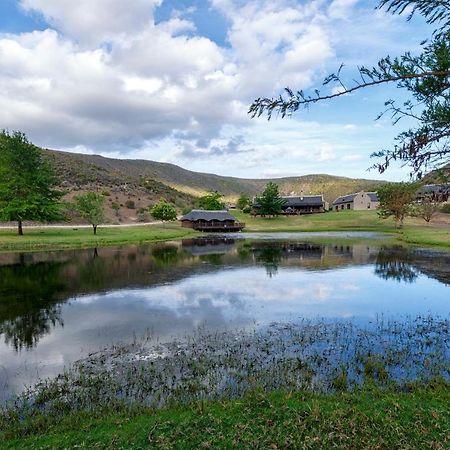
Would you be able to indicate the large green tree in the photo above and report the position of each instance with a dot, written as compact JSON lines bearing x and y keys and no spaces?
{"x":425,"y":77}
{"x":211,"y":202}
{"x":27,"y":182}
{"x":270,"y":203}
{"x":90,"y":207}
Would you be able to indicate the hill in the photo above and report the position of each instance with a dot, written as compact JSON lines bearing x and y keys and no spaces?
{"x":179,"y":185}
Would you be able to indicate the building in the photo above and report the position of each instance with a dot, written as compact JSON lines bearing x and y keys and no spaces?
{"x":359,"y":202}
{"x":306,"y":204}
{"x":439,"y":193}
{"x":201,"y":220}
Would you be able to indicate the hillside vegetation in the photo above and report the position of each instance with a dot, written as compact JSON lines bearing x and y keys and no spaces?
{"x":168,"y":180}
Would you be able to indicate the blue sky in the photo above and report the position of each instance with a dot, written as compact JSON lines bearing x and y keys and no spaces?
{"x":172,"y":81}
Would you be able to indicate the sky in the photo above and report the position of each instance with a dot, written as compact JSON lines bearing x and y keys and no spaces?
{"x":172,"y":81}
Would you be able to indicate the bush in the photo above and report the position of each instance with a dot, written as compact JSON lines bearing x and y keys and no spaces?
{"x":186,"y":210}
{"x":106,"y":193}
{"x":142,"y":215}
{"x":446,"y":208}
{"x":130,"y":204}
{"x":247,"y":210}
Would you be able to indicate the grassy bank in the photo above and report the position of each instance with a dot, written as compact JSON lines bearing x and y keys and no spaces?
{"x":362,"y":419}
{"x":70,"y":238}
{"x":414,"y":231}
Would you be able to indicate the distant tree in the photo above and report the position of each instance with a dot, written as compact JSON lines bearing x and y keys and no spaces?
{"x":426,"y":209}
{"x":164,"y":211}
{"x":26,"y":182}
{"x":396,"y":199}
{"x":270,"y":203}
{"x":90,"y":207}
{"x":243,"y":202}
{"x":211,"y":202}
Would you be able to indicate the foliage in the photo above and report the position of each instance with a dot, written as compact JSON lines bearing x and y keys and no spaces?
{"x":90,"y":207}
{"x":164,"y":211}
{"x":247,"y":210}
{"x":243,"y":202}
{"x":115,"y":206}
{"x":396,"y":199}
{"x":270,"y":203}
{"x":426,"y":209}
{"x":26,"y":182}
{"x":445,"y":209}
{"x":142,"y":214}
{"x":211,"y":202}
{"x":426,"y":77}
{"x":130,"y":204}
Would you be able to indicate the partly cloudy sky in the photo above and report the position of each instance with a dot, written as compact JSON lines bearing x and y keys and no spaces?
{"x":172,"y":80}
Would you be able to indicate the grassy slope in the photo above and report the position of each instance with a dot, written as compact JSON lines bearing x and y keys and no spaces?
{"x":65,"y":238}
{"x":363,"y":419}
{"x":80,"y":169}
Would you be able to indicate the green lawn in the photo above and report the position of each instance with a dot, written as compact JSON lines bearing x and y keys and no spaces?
{"x":414,"y":231}
{"x":64,"y":238}
{"x":363,"y":419}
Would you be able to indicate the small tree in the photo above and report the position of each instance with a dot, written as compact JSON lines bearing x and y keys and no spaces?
{"x":211,"y":202}
{"x":164,"y":211}
{"x":90,"y":207}
{"x":395,"y":200}
{"x":426,"y":209}
{"x":270,"y":203}
{"x":26,"y":182}
{"x":243,"y":202}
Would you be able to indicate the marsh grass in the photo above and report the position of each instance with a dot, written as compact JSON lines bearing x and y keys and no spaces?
{"x":315,"y":356}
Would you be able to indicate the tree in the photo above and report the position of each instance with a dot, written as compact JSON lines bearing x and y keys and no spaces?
{"x":426,"y":77}
{"x":396,"y":199}
{"x":426,"y":209}
{"x":243,"y":202}
{"x":270,"y":203}
{"x":164,"y":211}
{"x":26,"y":182}
{"x":211,"y":202}
{"x":90,"y":207}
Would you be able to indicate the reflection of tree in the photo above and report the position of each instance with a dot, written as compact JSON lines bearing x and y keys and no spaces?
{"x":214,"y":259}
{"x":270,"y":257}
{"x":395,"y":264}
{"x":28,"y":302}
{"x":165,"y":256}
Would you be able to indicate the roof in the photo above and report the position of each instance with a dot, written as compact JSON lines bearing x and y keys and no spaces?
{"x":200,"y":214}
{"x":351,"y":197}
{"x":306,"y":200}
{"x":435,"y":188}
{"x":292,"y":202}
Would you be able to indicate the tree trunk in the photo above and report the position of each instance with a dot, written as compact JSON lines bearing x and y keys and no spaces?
{"x":95,"y":229}
{"x":20,"y":230}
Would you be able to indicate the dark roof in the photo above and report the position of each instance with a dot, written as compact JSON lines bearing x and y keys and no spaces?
{"x":435,"y":188}
{"x":306,"y":200}
{"x":351,"y":197}
{"x":200,"y":214}
{"x":292,"y":202}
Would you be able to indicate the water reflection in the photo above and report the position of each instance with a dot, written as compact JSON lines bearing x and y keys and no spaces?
{"x":55,"y":307}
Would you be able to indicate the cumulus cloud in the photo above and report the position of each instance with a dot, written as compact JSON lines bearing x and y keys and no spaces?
{"x":107,"y":77}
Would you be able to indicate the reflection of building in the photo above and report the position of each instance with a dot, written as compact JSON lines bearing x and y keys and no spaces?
{"x":359,"y":201}
{"x":211,"y":221}
{"x":206,"y":246}
{"x":307,"y":204}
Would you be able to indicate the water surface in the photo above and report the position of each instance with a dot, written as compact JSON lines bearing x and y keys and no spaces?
{"x":57,"y":307}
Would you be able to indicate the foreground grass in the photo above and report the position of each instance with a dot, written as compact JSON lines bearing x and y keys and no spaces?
{"x":65,"y":238}
{"x":367,"y":418}
{"x":414,"y":231}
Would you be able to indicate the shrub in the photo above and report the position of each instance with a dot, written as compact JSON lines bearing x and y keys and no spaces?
{"x":446,"y":208}
{"x":130,"y":204}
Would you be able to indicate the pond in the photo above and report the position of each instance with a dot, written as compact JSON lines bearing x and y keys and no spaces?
{"x":58,"y":307}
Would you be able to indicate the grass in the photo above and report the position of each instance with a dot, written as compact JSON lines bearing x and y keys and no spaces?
{"x":367,"y":418}
{"x":414,"y":231}
{"x":70,"y":238}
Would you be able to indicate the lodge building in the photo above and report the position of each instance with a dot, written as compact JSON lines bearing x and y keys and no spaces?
{"x":218,"y":221}
{"x":359,"y":201}
{"x":296,"y":205}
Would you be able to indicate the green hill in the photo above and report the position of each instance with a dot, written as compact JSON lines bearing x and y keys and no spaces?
{"x":79,"y":171}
